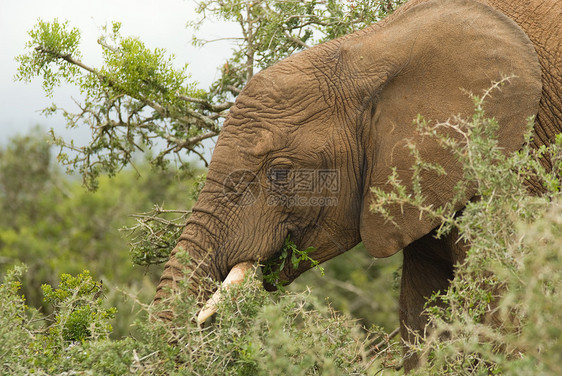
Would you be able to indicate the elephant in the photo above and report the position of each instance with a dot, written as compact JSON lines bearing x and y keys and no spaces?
{"x":308,"y":137}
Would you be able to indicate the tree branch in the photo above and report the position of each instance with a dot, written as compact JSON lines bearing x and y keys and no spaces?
{"x":296,"y":40}
{"x":206,"y":104}
{"x":68,"y":58}
{"x":194,"y":140}
{"x":234,"y":89}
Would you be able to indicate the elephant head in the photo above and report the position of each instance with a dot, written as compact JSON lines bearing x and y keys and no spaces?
{"x":308,"y":137}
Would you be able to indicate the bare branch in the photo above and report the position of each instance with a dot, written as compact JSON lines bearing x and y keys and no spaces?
{"x":234,"y":89}
{"x":101,"y":42}
{"x":249,"y":34}
{"x":390,"y":336}
{"x":296,"y":40}
{"x":192,"y":141}
{"x":207,"y":121}
{"x":206,"y":104}
{"x":68,"y":58}
{"x":201,"y":157}
{"x":207,"y":41}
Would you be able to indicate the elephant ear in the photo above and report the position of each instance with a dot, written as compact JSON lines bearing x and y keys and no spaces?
{"x":424,"y":61}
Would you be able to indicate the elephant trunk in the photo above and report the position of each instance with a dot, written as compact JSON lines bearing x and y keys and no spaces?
{"x":198,"y":245}
{"x":193,"y":260}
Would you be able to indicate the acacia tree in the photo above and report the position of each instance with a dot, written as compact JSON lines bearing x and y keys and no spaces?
{"x":141,"y":100}
{"x":138,"y":99}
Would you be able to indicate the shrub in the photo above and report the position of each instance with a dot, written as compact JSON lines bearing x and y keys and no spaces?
{"x":34,"y":343}
{"x":502,"y":310}
{"x":253,"y":333}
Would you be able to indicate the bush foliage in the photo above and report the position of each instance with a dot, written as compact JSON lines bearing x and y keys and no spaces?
{"x":500,"y":311}
{"x":254,"y":333}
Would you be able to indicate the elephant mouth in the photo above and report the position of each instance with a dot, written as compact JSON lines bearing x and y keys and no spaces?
{"x":281,"y":273}
{"x":277,"y":271}
{"x":281,"y":270}
{"x":237,"y":274}
{"x":234,"y":277}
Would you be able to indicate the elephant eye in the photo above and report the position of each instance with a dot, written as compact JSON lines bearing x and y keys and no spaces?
{"x":278,"y":177}
{"x":279,"y":174}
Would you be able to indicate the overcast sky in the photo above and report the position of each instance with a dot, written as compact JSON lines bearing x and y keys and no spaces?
{"x":158,"y":23}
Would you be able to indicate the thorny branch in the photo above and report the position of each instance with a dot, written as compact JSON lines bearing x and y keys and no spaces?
{"x":155,"y":234}
{"x":160,"y":109}
{"x":121,"y":121}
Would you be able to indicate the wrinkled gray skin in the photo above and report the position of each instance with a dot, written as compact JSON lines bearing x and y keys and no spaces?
{"x":338,"y":116}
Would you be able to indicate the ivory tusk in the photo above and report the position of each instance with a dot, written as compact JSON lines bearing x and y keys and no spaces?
{"x":236,"y":276}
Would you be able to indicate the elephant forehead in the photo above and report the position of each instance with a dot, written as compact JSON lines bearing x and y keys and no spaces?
{"x":262,"y":111}
{"x":255,"y":140}
{"x":282,"y":93}
{"x":252,"y":141}
{"x":254,"y":145}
